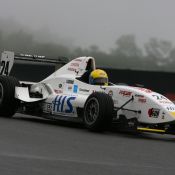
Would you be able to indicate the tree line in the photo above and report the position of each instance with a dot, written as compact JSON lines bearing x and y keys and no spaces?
{"x":156,"y":54}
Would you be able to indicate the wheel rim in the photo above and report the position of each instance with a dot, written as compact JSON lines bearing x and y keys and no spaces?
{"x":91,"y":111}
{"x":1,"y":93}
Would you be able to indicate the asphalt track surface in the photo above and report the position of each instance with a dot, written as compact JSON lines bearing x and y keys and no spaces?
{"x":31,"y":146}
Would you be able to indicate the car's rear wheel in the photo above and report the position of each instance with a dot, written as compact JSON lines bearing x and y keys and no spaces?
{"x":98,"y":111}
{"x":8,"y":103}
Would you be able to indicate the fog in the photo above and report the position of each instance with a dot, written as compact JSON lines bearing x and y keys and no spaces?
{"x":91,"y":27}
{"x":94,"y":22}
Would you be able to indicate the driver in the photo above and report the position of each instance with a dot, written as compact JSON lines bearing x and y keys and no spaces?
{"x":98,"y":77}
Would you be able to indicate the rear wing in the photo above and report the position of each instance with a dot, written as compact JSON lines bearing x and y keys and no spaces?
{"x":8,"y":58}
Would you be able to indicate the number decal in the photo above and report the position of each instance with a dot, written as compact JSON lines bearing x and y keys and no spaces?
{"x":4,"y":68}
{"x":6,"y":72}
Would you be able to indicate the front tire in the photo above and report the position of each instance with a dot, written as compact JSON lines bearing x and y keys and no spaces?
{"x":98,"y":111}
{"x":8,"y":103}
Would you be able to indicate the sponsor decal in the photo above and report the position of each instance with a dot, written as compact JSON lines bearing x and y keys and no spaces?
{"x":142,"y":100}
{"x":159,"y":97}
{"x":165,"y":102}
{"x":163,"y":115}
{"x":75,"y":89}
{"x":58,"y":91}
{"x":83,"y":90}
{"x":162,"y":99}
{"x":69,"y":88}
{"x":144,"y":89}
{"x":63,"y":104}
{"x":71,"y":69}
{"x":153,"y":112}
{"x":75,"y":64}
{"x":138,"y":95}
{"x":125,"y":93}
{"x":33,"y":56}
{"x":70,"y":81}
{"x":171,"y":108}
{"x":110,"y":93}
{"x":48,"y":107}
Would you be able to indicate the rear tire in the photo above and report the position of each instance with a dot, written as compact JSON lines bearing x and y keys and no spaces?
{"x":98,"y":112}
{"x":8,"y":103}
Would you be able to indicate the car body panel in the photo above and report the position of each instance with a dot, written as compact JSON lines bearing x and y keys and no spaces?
{"x":67,"y":89}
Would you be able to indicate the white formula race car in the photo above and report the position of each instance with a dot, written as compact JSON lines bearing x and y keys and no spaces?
{"x":66,"y":94}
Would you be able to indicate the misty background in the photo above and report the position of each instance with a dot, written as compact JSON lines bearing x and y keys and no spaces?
{"x":137,"y":34}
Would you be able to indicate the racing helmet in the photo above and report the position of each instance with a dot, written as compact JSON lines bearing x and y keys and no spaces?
{"x":98,"y":77}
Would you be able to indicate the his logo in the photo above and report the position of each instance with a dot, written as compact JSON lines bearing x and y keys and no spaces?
{"x":63,"y":104}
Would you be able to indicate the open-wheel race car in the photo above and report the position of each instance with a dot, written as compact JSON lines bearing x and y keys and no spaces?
{"x":67,"y":95}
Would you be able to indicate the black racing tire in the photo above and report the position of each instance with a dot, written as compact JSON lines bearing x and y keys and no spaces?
{"x":98,"y":112}
{"x":8,"y":103}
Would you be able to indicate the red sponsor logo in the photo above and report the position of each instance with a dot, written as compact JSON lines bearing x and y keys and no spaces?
{"x":153,"y":112}
{"x":125,"y":93}
{"x":144,"y":90}
{"x":142,"y":100}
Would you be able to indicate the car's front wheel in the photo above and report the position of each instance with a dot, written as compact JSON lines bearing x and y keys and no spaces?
{"x":98,"y":111}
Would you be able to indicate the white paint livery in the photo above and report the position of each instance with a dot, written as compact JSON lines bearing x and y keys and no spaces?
{"x":144,"y":100}
{"x":67,"y":90}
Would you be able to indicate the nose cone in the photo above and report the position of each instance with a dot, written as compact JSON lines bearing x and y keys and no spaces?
{"x":168,"y":116}
{"x":172,"y":113}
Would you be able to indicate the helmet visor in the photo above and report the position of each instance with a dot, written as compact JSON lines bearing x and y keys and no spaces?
{"x":100,"y":81}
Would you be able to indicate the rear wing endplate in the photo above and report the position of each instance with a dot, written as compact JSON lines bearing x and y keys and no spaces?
{"x":8,"y":58}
